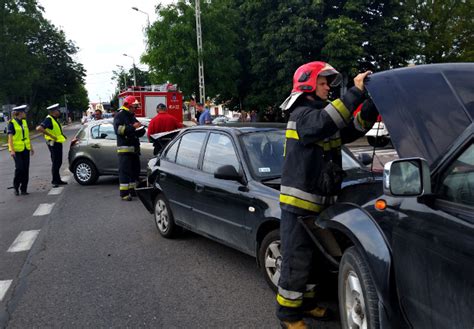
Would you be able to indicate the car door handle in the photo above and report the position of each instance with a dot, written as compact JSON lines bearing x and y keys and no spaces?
{"x":162,"y":175}
{"x":96,"y":146}
{"x":199,"y":188}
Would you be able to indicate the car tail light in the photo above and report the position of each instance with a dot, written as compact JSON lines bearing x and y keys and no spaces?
{"x":74,"y":142}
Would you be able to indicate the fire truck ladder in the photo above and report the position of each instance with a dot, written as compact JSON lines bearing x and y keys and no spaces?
{"x":202,"y":91}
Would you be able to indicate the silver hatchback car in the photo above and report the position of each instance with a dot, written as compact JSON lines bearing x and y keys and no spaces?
{"x":93,"y":151}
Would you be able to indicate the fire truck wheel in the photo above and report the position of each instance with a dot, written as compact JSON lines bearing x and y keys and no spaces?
{"x":85,"y":172}
{"x":379,"y":142}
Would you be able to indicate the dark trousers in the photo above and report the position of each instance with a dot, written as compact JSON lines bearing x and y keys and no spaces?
{"x":297,"y":271}
{"x":56,"y":151}
{"x":129,"y":171}
{"x":22,"y":170}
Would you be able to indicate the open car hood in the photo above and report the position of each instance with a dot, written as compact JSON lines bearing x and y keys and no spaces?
{"x":425,"y":108}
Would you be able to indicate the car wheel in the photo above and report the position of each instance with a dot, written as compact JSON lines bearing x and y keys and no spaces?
{"x":269,"y":257}
{"x":378,"y":142}
{"x":164,"y":219}
{"x":358,"y":300}
{"x":85,"y":172}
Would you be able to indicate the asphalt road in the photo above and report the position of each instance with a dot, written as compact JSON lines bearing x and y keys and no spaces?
{"x":96,"y":261}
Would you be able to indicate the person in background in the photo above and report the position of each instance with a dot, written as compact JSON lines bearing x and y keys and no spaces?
{"x":98,"y":115}
{"x":253,"y":116}
{"x":19,"y":145}
{"x":205,"y":117}
{"x":53,"y":134}
{"x":128,"y":130}
{"x":162,"y":122}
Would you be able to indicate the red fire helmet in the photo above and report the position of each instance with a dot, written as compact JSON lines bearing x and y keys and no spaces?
{"x":130,"y":100}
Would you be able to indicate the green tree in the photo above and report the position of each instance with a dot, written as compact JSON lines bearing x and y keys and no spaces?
{"x":444,"y":30}
{"x":36,"y":62}
{"x":172,"y":51}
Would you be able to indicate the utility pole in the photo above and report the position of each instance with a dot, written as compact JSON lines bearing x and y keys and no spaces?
{"x":202,"y":90}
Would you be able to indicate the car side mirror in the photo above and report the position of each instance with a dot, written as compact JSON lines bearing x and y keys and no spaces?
{"x":365,"y":158}
{"x":103,"y":135}
{"x":228,"y":172}
{"x":407,"y":177}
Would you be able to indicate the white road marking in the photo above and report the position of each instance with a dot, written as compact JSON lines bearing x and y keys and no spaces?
{"x":56,"y":190}
{"x":24,"y":241}
{"x":4,"y":285}
{"x":66,"y":178}
{"x":43,"y":209}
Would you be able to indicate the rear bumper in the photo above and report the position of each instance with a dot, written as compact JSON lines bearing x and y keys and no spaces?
{"x":147,"y":195}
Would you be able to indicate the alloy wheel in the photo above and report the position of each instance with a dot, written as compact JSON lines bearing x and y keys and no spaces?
{"x":83,"y":172}
{"x":273,"y":261}
{"x":162,"y":216}
{"x":354,"y":302}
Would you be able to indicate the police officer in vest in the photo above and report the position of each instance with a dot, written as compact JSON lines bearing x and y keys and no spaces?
{"x":128,"y":130}
{"x":53,"y":134}
{"x":311,"y":177}
{"x":19,"y":145}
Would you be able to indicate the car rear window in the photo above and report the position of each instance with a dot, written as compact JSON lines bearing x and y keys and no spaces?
{"x":264,"y":150}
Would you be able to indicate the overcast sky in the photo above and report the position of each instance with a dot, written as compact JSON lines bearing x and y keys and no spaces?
{"x":103,"y":30}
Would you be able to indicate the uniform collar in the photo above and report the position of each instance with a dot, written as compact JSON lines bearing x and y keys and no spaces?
{"x":125,"y":108}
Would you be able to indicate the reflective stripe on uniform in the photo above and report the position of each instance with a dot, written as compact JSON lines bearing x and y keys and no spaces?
{"x":124,"y":187}
{"x":300,"y":194}
{"x":125,"y":149}
{"x":338,"y":113}
{"x":293,"y":134}
{"x":121,"y":130}
{"x":291,"y":125}
{"x":289,"y":298}
{"x":131,"y":186}
{"x":310,"y":293}
{"x":298,"y":203}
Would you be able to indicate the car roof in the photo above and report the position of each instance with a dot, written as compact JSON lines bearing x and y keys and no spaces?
{"x":243,"y":127}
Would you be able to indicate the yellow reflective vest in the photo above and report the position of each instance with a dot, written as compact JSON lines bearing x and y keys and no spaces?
{"x":56,"y":131}
{"x":21,"y":138}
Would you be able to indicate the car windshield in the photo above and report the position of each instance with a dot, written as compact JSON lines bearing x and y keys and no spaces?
{"x":264,"y":150}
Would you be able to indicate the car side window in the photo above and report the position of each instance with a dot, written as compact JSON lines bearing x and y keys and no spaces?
{"x":219,"y":152}
{"x":95,"y":132}
{"x":189,"y":149}
{"x":171,"y":153}
{"x":457,"y":184}
{"x":106,"y":131}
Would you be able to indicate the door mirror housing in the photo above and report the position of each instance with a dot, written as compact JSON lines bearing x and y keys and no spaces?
{"x":228,"y":172}
{"x":407,"y":177}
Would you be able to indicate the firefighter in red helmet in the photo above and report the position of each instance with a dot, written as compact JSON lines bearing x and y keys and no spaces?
{"x":311,"y":177}
{"x":128,"y":130}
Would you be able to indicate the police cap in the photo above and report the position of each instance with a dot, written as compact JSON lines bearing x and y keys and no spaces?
{"x":21,"y":108}
{"x":53,"y":107}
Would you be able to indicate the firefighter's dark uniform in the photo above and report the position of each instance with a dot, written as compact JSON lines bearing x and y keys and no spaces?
{"x":315,"y":132}
{"x":128,"y":149}
{"x":22,"y":147}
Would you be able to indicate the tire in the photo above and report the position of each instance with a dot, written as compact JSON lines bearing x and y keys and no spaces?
{"x":164,"y":219}
{"x":269,"y":258}
{"x":85,"y":172}
{"x":358,"y":300}
{"x":378,"y":142}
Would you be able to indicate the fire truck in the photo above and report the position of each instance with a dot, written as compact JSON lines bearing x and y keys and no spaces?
{"x":150,"y":96}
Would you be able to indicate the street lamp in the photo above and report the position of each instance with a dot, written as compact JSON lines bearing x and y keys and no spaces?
{"x":147,"y":16}
{"x":134,"y":73}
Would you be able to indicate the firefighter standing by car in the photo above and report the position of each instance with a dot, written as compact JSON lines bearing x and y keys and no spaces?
{"x":19,"y":145}
{"x":53,"y":134}
{"x":128,"y":130}
{"x":312,"y":176}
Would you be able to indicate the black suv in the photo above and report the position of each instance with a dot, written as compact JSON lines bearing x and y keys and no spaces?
{"x":406,"y":258}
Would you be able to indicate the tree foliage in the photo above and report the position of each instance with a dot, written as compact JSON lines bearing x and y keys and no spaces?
{"x":36,"y":60}
{"x":172,"y":52}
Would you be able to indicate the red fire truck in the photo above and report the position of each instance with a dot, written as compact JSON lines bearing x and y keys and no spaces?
{"x":150,"y":96}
